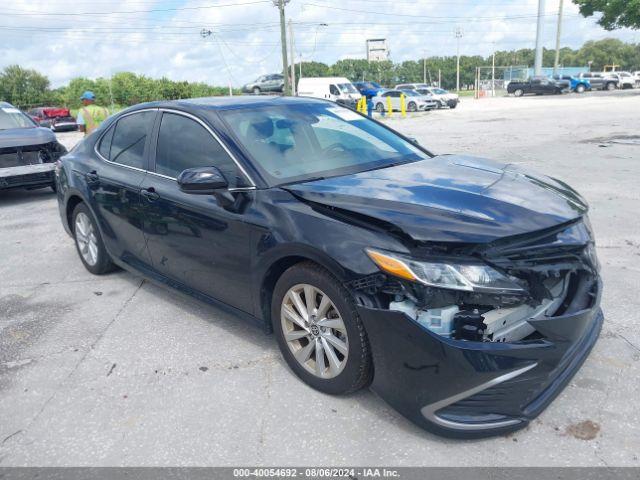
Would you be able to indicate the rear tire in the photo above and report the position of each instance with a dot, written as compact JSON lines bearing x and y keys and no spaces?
{"x":610,"y":86}
{"x":327,"y":349}
{"x":89,"y":242}
{"x":256,"y":90}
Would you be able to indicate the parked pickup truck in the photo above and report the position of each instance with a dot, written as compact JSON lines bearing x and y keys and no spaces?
{"x":536,"y":85}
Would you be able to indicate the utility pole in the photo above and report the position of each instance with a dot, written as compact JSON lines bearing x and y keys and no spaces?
{"x":556,"y":62}
{"x":458,"y":36}
{"x":537,"y":70}
{"x":293,"y":60}
{"x":283,"y":41}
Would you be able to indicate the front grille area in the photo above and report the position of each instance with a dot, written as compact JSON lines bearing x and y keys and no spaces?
{"x":515,"y":395}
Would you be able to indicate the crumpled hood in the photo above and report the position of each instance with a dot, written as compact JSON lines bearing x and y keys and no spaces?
{"x":451,"y":198}
{"x":19,"y":137}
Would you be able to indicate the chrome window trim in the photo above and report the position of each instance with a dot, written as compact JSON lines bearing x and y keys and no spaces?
{"x":167,"y":177}
{"x":217,"y":139}
{"x":95,"y":146}
{"x":430,"y":411}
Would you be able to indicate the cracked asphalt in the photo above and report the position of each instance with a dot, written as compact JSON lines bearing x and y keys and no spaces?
{"x":112,"y":370}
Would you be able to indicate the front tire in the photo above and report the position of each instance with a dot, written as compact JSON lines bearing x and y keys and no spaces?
{"x":319,"y":332}
{"x":610,"y":86}
{"x":518,"y":92}
{"x":380,"y":108}
{"x":256,"y":90}
{"x":89,"y":243}
{"x":412,"y":107}
{"x":580,"y":88}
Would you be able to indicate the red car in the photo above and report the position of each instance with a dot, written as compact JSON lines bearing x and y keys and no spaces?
{"x":57,"y":119}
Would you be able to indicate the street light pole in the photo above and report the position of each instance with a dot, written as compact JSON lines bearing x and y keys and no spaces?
{"x":424,"y":67}
{"x":538,"y":62}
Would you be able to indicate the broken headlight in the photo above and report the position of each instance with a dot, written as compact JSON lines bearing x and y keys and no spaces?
{"x":469,"y":277}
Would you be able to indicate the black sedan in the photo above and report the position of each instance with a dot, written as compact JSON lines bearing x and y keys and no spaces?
{"x":27,"y":152}
{"x":465,"y":292}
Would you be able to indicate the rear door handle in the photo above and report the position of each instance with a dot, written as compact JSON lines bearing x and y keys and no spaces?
{"x":92,"y":177}
{"x":150,"y":194}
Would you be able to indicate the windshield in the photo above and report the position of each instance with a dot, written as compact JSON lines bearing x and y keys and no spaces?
{"x":300,"y":142}
{"x":411,"y":93}
{"x":347,"y":88}
{"x":11,"y":117}
{"x":439,"y":91}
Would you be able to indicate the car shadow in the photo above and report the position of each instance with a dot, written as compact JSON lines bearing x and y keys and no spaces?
{"x":19,"y":196}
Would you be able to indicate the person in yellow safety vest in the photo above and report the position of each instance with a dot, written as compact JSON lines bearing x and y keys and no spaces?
{"x":90,"y":116}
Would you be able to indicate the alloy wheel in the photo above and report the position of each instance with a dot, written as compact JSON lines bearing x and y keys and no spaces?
{"x":314,"y":331}
{"x":86,"y":238}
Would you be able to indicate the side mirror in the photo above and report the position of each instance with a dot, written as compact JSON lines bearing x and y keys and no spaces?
{"x":202,"y":180}
{"x":414,"y":140}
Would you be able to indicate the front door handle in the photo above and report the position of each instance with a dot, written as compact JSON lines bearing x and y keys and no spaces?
{"x":150,"y":194}
{"x":92,"y":177}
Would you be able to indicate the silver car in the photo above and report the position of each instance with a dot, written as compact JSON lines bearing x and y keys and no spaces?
{"x":265,"y":83}
{"x":414,"y":101}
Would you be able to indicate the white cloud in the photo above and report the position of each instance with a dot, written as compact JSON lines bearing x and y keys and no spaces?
{"x":168,"y":43}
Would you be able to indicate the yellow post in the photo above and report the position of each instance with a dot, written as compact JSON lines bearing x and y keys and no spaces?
{"x":361,"y":108}
{"x":389,"y":107}
{"x":403,"y":105}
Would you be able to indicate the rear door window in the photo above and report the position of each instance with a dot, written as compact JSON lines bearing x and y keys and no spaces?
{"x":130,"y":138}
{"x":104,"y":147}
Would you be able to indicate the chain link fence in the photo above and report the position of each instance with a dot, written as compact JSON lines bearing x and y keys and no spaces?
{"x":493,"y":81}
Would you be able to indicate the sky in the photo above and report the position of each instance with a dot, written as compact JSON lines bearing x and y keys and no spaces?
{"x":97,"y":38}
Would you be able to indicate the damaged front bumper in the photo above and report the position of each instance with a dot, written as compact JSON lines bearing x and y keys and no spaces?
{"x":475,"y":389}
{"x":27,"y":176}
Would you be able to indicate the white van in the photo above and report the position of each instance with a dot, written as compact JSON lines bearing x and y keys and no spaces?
{"x":338,"y":89}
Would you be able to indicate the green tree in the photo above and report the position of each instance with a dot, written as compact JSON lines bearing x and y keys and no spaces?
{"x":615,"y":13}
{"x":313,"y":69}
{"x":23,"y":87}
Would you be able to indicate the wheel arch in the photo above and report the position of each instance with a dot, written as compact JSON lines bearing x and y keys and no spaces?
{"x":73,"y":201}
{"x":278,"y":266}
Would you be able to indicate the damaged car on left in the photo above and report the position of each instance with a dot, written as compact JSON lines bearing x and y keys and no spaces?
{"x":28,"y":152}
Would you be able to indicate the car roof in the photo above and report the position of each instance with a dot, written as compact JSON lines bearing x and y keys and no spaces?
{"x":6,"y":105}
{"x":226,"y":103}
